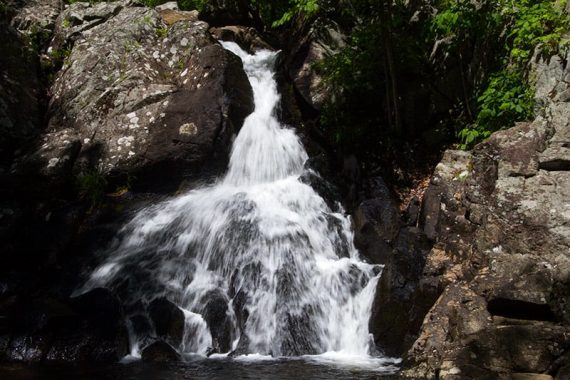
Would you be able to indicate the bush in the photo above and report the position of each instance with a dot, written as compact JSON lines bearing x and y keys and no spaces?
{"x":528,"y":27}
{"x":92,"y":186}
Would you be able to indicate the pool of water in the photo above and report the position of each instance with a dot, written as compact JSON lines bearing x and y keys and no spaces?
{"x":217,"y":368}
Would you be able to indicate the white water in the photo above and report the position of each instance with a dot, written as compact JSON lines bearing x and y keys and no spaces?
{"x":260,"y":241}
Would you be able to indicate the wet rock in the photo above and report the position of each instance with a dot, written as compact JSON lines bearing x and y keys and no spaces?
{"x":215,"y":312}
{"x":246,"y":37}
{"x":168,"y":320}
{"x":325,"y":189}
{"x":380,"y":216}
{"x":376,"y":223}
{"x":160,"y":352}
{"x":299,"y":338}
{"x":412,"y":212}
{"x":562,"y":368}
{"x":401,"y":302}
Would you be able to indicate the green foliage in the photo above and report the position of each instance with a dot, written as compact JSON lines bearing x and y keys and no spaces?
{"x":4,"y":7}
{"x":524,"y":28}
{"x":189,"y":5}
{"x":508,"y":98}
{"x":59,"y":56}
{"x":536,"y":24}
{"x":362,"y":76}
{"x":162,"y":32}
{"x":309,"y":8}
{"x":462,"y":20}
{"x":92,"y":186}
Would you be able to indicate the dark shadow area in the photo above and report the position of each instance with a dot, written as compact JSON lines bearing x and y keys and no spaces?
{"x":520,"y":310}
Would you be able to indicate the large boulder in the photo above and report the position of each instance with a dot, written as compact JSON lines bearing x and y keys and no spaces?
{"x":499,"y":217}
{"x":401,"y":301}
{"x":138,"y":97}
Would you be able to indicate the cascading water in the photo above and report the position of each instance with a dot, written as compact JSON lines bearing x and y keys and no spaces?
{"x":258,"y":262}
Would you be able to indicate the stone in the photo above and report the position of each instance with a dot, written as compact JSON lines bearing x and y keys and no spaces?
{"x":37,"y":19}
{"x":214,"y":309}
{"x":160,"y":352}
{"x":246,"y":37}
{"x":555,"y":158}
{"x":168,"y":320}
{"x":379,"y":215}
{"x":170,"y":5}
{"x":124,"y":119}
{"x":400,"y":303}
{"x":498,"y":217}
{"x":376,"y":222}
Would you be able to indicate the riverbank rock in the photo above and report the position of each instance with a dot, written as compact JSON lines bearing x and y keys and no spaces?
{"x":89,"y":328}
{"x":139,"y":97}
{"x":499,"y":217}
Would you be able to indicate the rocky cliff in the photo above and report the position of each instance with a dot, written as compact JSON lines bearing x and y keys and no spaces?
{"x":499,"y":217}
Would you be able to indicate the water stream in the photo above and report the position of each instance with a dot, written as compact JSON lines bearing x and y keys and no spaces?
{"x":258,"y":262}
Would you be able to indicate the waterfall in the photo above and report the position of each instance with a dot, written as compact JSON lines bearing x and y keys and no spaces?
{"x":258,"y":262}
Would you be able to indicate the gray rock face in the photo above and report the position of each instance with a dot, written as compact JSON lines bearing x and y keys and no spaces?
{"x":500,"y":218}
{"x":37,"y":17}
{"x":139,"y":96}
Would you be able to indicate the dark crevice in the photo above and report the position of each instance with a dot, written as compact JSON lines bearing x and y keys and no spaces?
{"x":517,"y":309}
{"x":555,"y":165}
